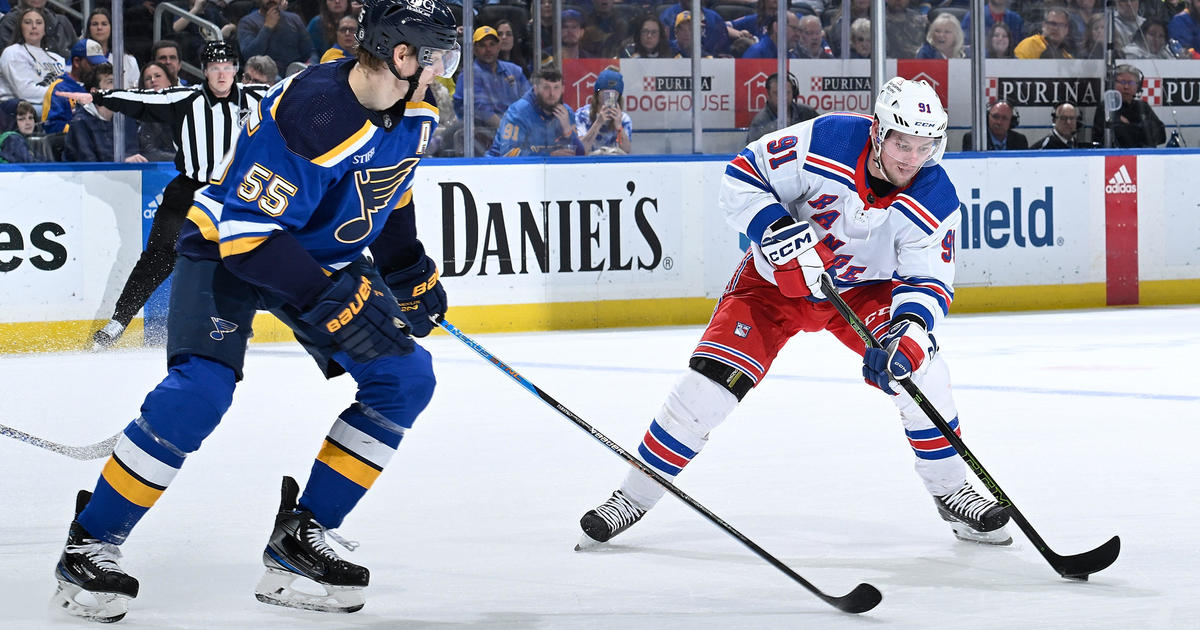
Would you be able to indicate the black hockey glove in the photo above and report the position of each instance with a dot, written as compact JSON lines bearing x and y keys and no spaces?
{"x":364,"y":322}
{"x":420,"y":294}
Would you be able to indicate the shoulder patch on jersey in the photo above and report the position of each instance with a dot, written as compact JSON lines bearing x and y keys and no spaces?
{"x":840,"y":137}
{"x":930,"y":200}
{"x":319,"y":118}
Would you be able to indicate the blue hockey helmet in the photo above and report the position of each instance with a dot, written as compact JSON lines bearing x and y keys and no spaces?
{"x":426,"y":25}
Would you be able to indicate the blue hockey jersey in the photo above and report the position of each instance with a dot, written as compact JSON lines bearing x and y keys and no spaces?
{"x":312,"y":180}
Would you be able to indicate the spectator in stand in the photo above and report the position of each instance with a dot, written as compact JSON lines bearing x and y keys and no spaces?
{"x":323,"y":28}
{"x":602,"y":127}
{"x":513,"y":49}
{"x":26,"y":66}
{"x":1000,"y":42}
{"x":1051,"y":43}
{"x":58,"y":33}
{"x":539,"y":123}
{"x":714,"y":39}
{"x":154,"y":138}
{"x":1153,"y":43}
{"x":767,"y":119}
{"x":604,"y":29}
{"x":99,"y":29}
{"x":14,"y":145}
{"x":1136,"y":123}
{"x":1127,"y":24}
{"x":766,"y":48}
{"x":811,"y":44}
{"x":997,"y":11}
{"x":166,"y":52}
{"x":547,"y":9}
{"x":682,"y":44}
{"x":274,"y":31}
{"x":1081,"y":13}
{"x":90,"y":136}
{"x":859,"y":9}
{"x":189,"y":32}
{"x":1001,"y":118}
{"x":1093,"y":45}
{"x":905,"y":30}
{"x":1185,"y":27}
{"x":260,"y":70}
{"x":498,"y":84}
{"x":1065,"y":117}
{"x":860,"y":39}
{"x":649,"y":41}
{"x":753,"y":25}
{"x":347,"y":43}
{"x":86,"y":54}
{"x":572,"y":40}
{"x":944,"y":40}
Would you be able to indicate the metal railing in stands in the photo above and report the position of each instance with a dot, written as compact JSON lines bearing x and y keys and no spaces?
{"x":209,"y":30}
{"x":85,"y":9}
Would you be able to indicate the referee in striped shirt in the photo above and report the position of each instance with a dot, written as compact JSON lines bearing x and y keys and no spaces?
{"x":205,"y":119}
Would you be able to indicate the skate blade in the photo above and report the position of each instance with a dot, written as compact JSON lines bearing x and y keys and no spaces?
{"x":997,"y":537}
{"x":280,"y":588}
{"x":99,"y":607}
{"x":587,"y":543}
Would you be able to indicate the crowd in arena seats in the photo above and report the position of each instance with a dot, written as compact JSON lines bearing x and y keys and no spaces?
{"x":43,"y":50}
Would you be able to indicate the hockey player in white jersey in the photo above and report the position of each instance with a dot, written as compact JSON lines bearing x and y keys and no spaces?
{"x":863,"y":199}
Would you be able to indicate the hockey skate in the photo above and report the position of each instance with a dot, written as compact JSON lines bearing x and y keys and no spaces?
{"x":107,"y":336}
{"x":610,"y":518}
{"x":974,"y":518}
{"x":302,"y":570}
{"x":90,"y":583}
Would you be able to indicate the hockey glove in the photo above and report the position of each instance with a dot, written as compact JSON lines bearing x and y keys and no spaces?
{"x":420,"y":294}
{"x":364,"y":322}
{"x":798,"y":257}
{"x":906,"y":349}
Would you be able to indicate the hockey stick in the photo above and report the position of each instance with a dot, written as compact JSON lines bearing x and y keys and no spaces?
{"x":83,"y":453}
{"x":1076,"y":567}
{"x":864,"y":597}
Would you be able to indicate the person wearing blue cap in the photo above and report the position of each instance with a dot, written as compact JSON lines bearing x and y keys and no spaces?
{"x":600,"y":123}
{"x":86,"y":54}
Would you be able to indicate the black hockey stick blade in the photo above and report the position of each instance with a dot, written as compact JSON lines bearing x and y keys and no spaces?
{"x":1080,"y":566}
{"x":864,"y":597}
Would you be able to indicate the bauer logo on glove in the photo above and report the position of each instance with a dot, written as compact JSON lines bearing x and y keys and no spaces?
{"x":352,"y":309}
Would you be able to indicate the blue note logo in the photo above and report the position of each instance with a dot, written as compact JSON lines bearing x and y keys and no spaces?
{"x":222,"y":326}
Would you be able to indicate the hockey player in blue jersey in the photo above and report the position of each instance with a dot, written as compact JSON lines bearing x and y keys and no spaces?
{"x":864,"y":199}
{"x":321,"y":170}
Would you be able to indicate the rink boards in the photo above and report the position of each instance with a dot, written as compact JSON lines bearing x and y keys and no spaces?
{"x":580,"y":242}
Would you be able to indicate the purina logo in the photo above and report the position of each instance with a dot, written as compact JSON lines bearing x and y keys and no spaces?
{"x":1121,"y":182}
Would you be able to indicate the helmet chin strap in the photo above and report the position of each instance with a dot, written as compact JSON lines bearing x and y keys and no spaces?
{"x":411,"y":79}
{"x":876,"y":151}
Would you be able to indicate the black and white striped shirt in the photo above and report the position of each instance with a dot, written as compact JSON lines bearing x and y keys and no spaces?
{"x":203,"y":125}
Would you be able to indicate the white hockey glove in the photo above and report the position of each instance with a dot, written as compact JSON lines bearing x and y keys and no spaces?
{"x":799,"y":258}
{"x":906,"y":350}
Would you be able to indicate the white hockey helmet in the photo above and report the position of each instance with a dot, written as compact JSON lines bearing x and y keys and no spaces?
{"x":911,"y":107}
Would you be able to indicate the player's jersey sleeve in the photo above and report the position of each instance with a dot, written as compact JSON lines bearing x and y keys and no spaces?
{"x":923,"y":284}
{"x":764,"y":178}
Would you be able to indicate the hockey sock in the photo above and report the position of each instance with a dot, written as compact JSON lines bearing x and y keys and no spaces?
{"x":941,"y":470}
{"x":176,"y":416}
{"x":392,"y":391}
{"x":677,"y":434}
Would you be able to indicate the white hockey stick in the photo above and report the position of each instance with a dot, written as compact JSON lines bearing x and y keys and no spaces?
{"x":83,"y":453}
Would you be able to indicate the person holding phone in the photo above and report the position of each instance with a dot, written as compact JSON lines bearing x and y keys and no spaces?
{"x":601,"y":124}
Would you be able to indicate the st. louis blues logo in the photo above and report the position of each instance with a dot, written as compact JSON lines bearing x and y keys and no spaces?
{"x":222,"y":326}
{"x":742,"y":330}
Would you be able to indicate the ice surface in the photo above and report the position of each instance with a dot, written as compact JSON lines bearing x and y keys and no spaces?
{"x":1088,"y":419}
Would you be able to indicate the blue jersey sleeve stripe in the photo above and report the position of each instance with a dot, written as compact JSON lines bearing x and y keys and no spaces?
{"x":932,"y":432}
{"x":941,"y":299}
{"x":741,"y":176}
{"x":763,"y":219}
{"x":915,"y":308}
{"x":912,"y":216}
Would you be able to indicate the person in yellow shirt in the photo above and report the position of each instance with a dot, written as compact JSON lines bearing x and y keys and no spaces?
{"x":1051,"y":42}
{"x":345,"y":44}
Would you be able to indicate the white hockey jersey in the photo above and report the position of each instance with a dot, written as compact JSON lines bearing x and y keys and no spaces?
{"x":816,"y":172}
